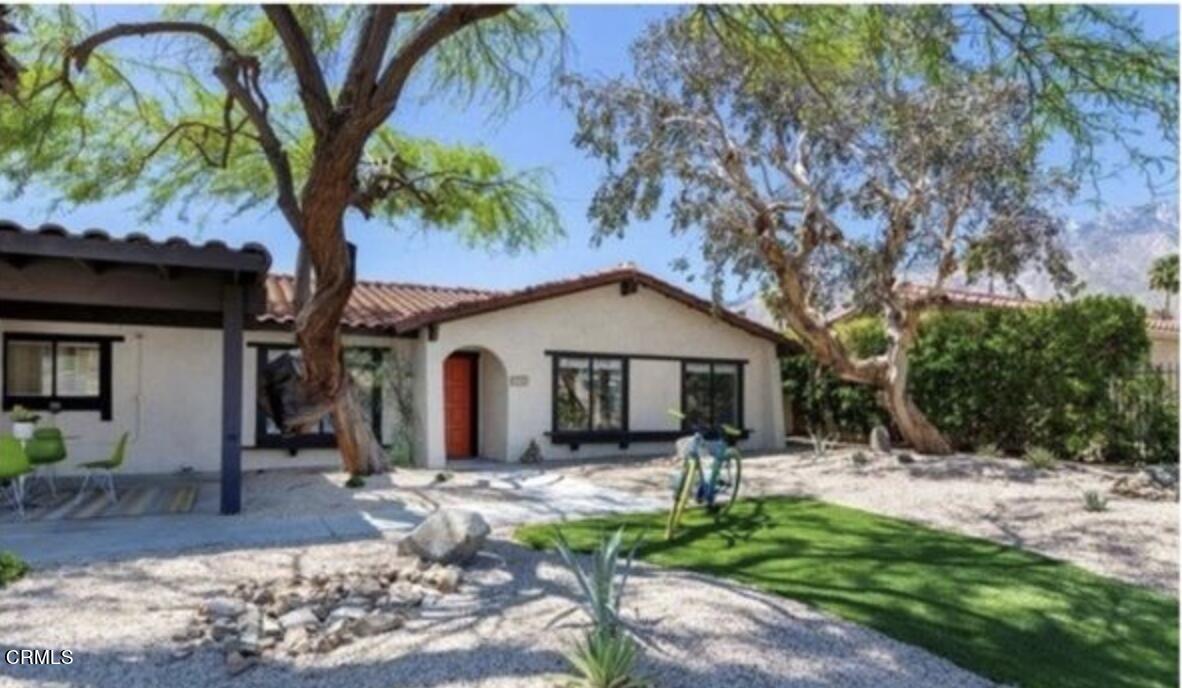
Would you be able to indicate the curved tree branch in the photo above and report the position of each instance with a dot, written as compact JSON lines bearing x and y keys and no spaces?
{"x":238,"y":73}
{"x":444,"y":23}
{"x":82,"y":51}
{"x":312,"y":88}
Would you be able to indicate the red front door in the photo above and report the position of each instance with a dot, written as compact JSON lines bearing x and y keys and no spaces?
{"x":459,"y":406}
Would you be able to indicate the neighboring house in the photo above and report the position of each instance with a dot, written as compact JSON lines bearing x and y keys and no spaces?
{"x":1163,"y":332}
{"x":166,"y":339}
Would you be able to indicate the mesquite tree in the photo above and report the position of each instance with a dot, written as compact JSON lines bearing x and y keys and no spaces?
{"x":819,"y":151}
{"x":243,"y":107}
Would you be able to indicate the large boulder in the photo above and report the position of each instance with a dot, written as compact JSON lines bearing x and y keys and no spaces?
{"x":447,"y":536}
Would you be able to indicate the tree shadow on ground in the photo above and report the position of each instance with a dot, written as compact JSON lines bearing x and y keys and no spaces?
{"x":1008,"y":614}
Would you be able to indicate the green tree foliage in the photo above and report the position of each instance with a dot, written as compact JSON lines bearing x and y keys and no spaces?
{"x":1072,"y":378}
{"x":146,"y":118}
{"x":204,"y":108}
{"x":827,"y":404}
{"x":824,"y":152}
{"x":1086,"y":70}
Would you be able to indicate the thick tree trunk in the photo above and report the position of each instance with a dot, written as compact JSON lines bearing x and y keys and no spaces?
{"x":917,"y":431}
{"x":355,"y":436}
{"x":325,"y":384}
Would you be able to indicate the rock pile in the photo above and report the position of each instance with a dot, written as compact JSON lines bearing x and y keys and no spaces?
{"x":1158,"y":482}
{"x":314,"y":614}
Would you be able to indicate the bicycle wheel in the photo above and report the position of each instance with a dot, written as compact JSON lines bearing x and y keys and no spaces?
{"x":730,"y":479}
{"x":689,"y":475}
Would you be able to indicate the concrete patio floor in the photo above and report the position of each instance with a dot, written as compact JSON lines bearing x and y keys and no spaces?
{"x":286,"y":508}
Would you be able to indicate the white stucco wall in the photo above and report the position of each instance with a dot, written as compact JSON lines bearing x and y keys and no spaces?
{"x":167,"y":382}
{"x":600,"y":320}
{"x":166,"y":391}
{"x":1163,"y":348}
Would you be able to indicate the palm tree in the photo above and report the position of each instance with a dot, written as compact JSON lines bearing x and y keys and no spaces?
{"x":1163,"y":277}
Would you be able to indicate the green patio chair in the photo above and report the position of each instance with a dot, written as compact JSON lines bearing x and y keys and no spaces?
{"x":14,"y":465}
{"x":103,"y":471}
{"x":46,"y":449}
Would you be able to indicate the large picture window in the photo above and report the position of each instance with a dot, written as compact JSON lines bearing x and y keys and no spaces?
{"x":711,"y":395}
{"x":67,"y":372}
{"x":590,"y":394}
{"x":364,"y":366}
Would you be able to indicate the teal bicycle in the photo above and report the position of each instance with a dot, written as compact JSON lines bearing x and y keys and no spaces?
{"x":710,"y":471}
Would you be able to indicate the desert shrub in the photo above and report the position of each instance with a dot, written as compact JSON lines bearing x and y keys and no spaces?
{"x":859,"y":458}
{"x":1040,"y":376}
{"x":828,"y":405}
{"x":1068,"y":377}
{"x":12,"y":568}
{"x":1094,"y":501}
{"x":606,"y":655}
{"x":988,"y":449}
{"x":1041,"y":457}
{"x":355,"y":481}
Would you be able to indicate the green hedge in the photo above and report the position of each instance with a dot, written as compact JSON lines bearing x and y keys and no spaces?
{"x":1068,"y":377}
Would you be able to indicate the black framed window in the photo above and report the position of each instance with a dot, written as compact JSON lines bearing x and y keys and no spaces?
{"x":68,"y":372}
{"x":711,"y":395}
{"x":590,"y":394}
{"x":364,"y":365}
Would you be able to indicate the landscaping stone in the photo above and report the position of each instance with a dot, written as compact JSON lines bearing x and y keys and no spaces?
{"x":375,"y":624}
{"x":320,"y":614}
{"x":304,"y":616}
{"x":1146,"y":484}
{"x":447,"y":536}
{"x":880,"y":440}
{"x":905,"y":458}
{"x":346,"y":614}
{"x":1163,"y":475}
{"x":223,"y":607}
{"x":404,"y":594}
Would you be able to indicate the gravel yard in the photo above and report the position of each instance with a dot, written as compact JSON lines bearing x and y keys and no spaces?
{"x":1000,"y":499}
{"x":501,"y":630}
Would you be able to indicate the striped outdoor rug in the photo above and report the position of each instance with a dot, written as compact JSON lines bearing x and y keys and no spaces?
{"x":136,"y":500}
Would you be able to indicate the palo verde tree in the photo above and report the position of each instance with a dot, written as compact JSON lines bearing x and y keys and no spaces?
{"x":826,"y":151}
{"x":245,"y":107}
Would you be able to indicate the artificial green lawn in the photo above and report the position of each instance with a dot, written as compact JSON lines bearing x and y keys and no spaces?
{"x":1001,"y":612}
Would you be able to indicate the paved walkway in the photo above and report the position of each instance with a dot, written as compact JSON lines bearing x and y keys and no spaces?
{"x":293,"y":508}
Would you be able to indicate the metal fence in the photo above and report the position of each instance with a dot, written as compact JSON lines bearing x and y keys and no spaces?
{"x":1148,"y":401}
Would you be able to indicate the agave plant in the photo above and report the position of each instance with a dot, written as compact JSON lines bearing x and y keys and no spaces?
{"x":603,"y":660}
{"x":601,"y":590}
{"x":607,"y":654}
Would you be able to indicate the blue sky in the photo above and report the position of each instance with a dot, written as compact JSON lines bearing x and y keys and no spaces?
{"x":535,"y":134}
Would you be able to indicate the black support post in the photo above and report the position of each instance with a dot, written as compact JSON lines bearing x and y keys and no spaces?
{"x":232,"y":344}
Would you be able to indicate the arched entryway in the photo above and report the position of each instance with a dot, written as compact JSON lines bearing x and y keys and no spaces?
{"x":475,"y":405}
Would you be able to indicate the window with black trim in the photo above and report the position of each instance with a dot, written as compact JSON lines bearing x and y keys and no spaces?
{"x":50,"y":371}
{"x":364,"y":365}
{"x":590,"y":394}
{"x":711,"y":394}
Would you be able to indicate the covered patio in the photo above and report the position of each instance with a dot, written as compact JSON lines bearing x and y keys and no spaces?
{"x":51,"y":276}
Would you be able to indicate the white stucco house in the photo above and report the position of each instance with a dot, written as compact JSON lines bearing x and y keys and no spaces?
{"x":166,"y":340}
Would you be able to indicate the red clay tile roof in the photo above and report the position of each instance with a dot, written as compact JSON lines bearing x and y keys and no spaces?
{"x":374,"y":305}
{"x":400,"y":307}
{"x":975,"y":299}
